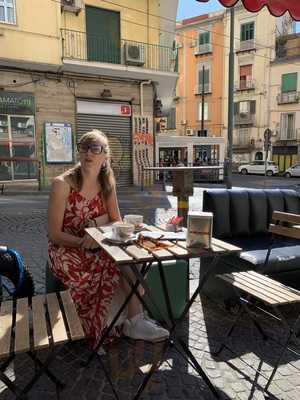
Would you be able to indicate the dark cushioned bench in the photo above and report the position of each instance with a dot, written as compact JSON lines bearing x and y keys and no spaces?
{"x":242,"y":217}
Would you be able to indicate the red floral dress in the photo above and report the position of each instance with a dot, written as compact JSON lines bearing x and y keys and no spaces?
{"x":91,"y":276}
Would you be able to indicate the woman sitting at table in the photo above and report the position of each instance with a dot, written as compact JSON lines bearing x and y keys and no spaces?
{"x":83,"y":194}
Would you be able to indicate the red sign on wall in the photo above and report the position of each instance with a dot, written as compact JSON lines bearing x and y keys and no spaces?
{"x":125,"y":110}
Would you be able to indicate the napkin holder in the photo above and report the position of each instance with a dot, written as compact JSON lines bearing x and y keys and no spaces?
{"x":199,"y":229}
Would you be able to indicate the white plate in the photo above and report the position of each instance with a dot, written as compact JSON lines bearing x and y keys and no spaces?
{"x":110,"y":237}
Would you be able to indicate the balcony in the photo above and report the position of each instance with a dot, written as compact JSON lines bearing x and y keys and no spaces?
{"x":203,"y":49}
{"x":246,"y":45}
{"x":82,"y":47}
{"x":244,"y":119}
{"x":289,"y":134}
{"x":242,"y":140}
{"x":248,"y":84}
{"x":288,"y":97}
{"x":198,"y":89}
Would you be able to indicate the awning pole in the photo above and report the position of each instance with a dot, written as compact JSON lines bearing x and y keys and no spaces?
{"x":230,"y":102}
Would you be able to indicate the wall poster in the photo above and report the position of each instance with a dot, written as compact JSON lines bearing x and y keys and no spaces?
{"x":58,"y":143}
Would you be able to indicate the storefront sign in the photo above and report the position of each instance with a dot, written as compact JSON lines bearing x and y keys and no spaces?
{"x":16,"y":103}
{"x":58,"y":143}
{"x":103,"y":108}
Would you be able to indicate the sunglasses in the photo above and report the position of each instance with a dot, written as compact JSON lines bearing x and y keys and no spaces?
{"x":95,"y":148}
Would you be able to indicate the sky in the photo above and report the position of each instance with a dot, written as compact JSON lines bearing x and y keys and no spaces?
{"x":190,"y":8}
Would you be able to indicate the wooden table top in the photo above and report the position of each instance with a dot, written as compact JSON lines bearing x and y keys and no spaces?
{"x":126,"y":254}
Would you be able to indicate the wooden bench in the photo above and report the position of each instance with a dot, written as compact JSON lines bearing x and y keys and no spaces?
{"x":253,"y":286}
{"x":45,"y":322}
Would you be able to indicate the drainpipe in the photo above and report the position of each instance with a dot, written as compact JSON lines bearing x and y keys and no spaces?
{"x":142,"y":94}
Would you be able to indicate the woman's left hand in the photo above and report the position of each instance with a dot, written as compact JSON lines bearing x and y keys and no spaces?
{"x":88,"y":242}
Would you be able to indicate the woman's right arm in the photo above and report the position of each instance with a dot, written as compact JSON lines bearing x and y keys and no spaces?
{"x":56,"y":210}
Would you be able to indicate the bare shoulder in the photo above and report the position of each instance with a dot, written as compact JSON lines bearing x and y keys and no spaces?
{"x":60,"y":186}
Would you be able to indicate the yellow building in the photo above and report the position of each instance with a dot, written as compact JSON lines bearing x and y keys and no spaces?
{"x":284,"y":114}
{"x":71,"y":66}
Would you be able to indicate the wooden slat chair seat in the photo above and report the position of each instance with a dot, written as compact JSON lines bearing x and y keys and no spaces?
{"x":251,"y":286}
{"x":49,"y":321}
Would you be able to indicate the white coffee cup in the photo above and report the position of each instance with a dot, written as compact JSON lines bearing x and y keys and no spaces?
{"x":134,"y":219}
{"x":122,"y":230}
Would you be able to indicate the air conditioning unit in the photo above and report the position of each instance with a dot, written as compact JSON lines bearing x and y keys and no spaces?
{"x":190,"y":132}
{"x":71,"y":5}
{"x":134,"y":53}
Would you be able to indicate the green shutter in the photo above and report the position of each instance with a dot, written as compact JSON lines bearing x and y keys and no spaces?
{"x":206,"y":76}
{"x":103,"y":35}
{"x":252,"y":106}
{"x":247,"y":31}
{"x":236,"y":108}
{"x":204,"y":38}
{"x":289,"y":82}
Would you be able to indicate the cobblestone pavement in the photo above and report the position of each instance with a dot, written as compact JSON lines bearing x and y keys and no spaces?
{"x":23,"y":226}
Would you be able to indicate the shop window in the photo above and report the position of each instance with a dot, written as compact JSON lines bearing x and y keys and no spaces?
{"x":3,"y":127}
{"x":17,"y":139}
{"x":8,"y":11}
{"x":289,"y":82}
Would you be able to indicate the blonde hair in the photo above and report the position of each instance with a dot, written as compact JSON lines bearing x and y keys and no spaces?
{"x":106,"y":176}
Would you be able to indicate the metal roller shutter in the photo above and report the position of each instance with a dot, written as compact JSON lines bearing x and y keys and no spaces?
{"x":118,"y":131}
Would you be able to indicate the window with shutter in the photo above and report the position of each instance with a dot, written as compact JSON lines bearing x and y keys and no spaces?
{"x":206,"y":79}
{"x":8,"y":11}
{"x":205,"y":111}
{"x":247,"y":31}
{"x":244,"y":107}
{"x":103,"y":35}
{"x":289,"y":82}
{"x":252,"y":106}
{"x":287,"y":126}
{"x":204,"y":38}
{"x":245,"y":76}
{"x":236,"y":108}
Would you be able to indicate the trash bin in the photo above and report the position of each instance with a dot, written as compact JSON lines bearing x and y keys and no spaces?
{"x":177,"y":277}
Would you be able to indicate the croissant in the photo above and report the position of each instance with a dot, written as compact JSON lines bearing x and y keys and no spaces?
{"x":152,"y":244}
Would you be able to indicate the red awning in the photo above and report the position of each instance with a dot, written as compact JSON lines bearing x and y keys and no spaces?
{"x":276,"y":7}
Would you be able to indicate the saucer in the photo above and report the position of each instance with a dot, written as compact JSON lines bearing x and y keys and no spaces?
{"x":111,"y":238}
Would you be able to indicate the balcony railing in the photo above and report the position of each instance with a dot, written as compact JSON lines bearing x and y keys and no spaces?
{"x":246,"y":45}
{"x":289,"y":134}
{"x":244,"y":119}
{"x":81,"y":46}
{"x":288,"y":97}
{"x":203,"y":48}
{"x":248,"y":84}
{"x":198,"y":88}
{"x":242,"y":140}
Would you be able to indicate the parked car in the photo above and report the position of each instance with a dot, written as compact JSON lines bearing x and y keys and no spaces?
{"x":258,"y":167}
{"x":294,"y":170}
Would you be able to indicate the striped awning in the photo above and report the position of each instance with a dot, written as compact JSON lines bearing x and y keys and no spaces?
{"x":276,"y":7}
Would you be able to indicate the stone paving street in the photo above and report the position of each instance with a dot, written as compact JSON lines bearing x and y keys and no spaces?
{"x":23,"y":227}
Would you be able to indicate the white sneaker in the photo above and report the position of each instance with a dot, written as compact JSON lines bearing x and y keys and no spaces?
{"x":141,"y":328}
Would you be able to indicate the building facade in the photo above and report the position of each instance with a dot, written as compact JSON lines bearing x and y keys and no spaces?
{"x":71,"y":66}
{"x":254,"y":47}
{"x":284,"y":101}
{"x":200,"y":43}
